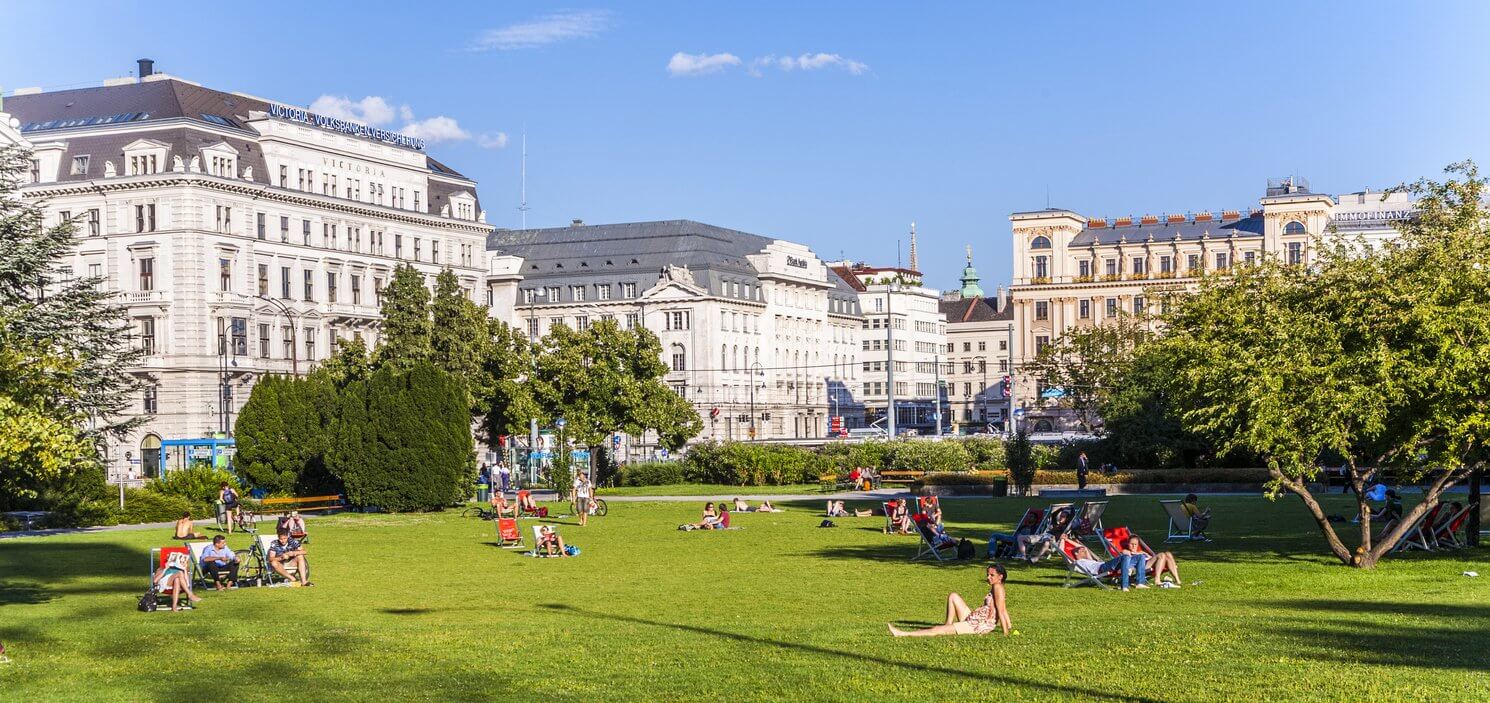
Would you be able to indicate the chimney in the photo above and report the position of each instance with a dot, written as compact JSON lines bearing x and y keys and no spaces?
{"x":576,"y":222}
{"x":1003,"y":300}
{"x":1149,"y":220}
{"x":147,"y":67}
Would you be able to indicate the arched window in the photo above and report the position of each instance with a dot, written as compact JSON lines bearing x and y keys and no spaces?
{"x":680,"y":358}
{"x":150,"y":456}
{"x":1043,"y":426}
{"x":1294,"y":227}
{"x":1040,"y":242}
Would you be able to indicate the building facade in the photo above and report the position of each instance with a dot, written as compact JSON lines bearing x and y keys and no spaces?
{"x":1072,"y":271}
{"x":980,"y":331}
{"x":243,"y":236}
{"x":756,"y":332}
{"x":903,"y":334}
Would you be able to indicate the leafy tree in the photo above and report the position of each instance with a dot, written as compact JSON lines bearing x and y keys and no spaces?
{"x":1140,"y":421}
{"x":604,"y":380}
{"x":1381,"y":359}
{"x":65,"y":353}
{"x":505,"y":367}
{"x":284,"y":432}
{"x":350,"y":363}
{"x":460,"y":335}
{"x":403,"y":440}
{"x":406,"y":321}
{"x":1019,"y":456}
{"x":1086,"y":364}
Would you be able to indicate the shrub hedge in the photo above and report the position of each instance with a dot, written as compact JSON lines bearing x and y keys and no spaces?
{"x":1142,"y":476}
{"x":651,"y":473}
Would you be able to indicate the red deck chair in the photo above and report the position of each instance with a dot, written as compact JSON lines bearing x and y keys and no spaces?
{"x":508,"y":536}
{"x":1420,"y":535}
{"x":1446,"y":534}
{"x":1081,"y":578}
{"x":522,"y":496}
{"x":158,"y":558}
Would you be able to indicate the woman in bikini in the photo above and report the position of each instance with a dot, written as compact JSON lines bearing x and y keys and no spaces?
{"x":962,"y":620}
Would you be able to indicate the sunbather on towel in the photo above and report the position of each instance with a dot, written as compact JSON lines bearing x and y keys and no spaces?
{"x":962,"y":620}
{"x":184,"y":528}
{"x":741,"y":506}
{"x":766,"y":507}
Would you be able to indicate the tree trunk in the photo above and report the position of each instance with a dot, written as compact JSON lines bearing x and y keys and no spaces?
{"x":1430,"y":499}
{"x":1298,"y":488}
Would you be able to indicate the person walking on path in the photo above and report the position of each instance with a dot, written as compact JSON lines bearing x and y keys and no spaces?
{"x":1081,"y":469}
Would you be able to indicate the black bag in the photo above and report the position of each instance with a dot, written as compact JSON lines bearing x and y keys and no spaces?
{"x":827,"y":523}
{"x":148,"y":602}
{"x":965,"y":549}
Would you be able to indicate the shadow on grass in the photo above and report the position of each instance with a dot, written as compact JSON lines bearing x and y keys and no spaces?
{"x":407,"y":611}
{"x":51,"y":568}
{"x":854,"y":657}
{"x":1363,"y":635}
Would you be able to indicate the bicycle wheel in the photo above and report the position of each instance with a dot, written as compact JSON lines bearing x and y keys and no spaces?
{"x":600,"y":507}
{"x":473,"y":511}
{"x":250,"y":567}
{"x":248,"y":521}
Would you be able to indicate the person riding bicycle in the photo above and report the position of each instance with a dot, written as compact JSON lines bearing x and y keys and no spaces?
{"x":229,"y":499}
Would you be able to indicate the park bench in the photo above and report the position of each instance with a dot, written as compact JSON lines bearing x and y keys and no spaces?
{"x":305,"y":504}
{"x":834,"y":482}
{"x":905,"y":477}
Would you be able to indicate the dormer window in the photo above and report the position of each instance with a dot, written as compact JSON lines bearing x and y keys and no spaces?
{"x":221,"y":160}
{"x":144,"y":164}
{"x":144,"y":157}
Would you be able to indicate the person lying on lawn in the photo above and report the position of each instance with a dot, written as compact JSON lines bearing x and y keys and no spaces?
{"x":184,"y":528}
{"x":766,"y":507}
{"x":741,"y":506}
{"x":286,"y":551}
{"x":962,"y":620}
{"x":550,"y":542}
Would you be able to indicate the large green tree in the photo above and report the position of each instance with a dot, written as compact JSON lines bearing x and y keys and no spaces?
{"x":402,"y":440}
{"x":1087,"y":363}
{"x":284,"y":432}
{"x":406,"y":321}
{"x":1381,"y":358}
{"x":459,"y":336}
{"x":65,"y":351}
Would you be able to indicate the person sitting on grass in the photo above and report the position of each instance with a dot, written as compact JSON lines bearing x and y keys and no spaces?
{"x":1199,"y":519}
{"x":962,"y":620}
{"x":766,"y":507}
{"x":175,"y":577}
{"x":1125,"y":563}
{"x":836,"y":509}
{"x":219,"y":561}
{"x":294,"y":524}
{"x":1159,"y":563}
{"x":741,"y":506}
{"x":184,"y":528}
{"x":286,"y":551}
{"x":710,"y":518}
{"x":551,"y":543}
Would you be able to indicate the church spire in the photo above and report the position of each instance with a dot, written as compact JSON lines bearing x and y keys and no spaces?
{"x":970,"y":287}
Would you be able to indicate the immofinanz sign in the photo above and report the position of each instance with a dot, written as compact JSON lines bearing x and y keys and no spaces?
{"x":357,"y":130}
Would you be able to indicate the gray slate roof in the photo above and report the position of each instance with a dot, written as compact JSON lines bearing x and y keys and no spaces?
{"x":977,"y":309}
{"x":637,"y":252}
{"x":156,"y":101}
{"x":1250,"y":226}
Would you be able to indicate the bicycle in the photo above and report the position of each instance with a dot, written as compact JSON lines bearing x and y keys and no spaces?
{"x":598,"y":507}
{"x":478,"y":511}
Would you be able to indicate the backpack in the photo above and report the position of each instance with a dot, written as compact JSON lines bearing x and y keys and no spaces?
{"x":965,"y":549}
{"x":827,"y":523}
{"x":148,"y":602}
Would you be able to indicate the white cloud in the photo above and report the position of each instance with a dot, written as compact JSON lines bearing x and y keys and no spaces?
{"x":492,"y":141}
{"x":436,"y":129}
{"x":682,"y":64}
{"x":548,"y":29}
{"x":405,"y":114}
{"x":808,"y":62}
{"x":371,"y":110}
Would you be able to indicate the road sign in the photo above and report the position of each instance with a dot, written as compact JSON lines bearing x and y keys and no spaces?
{"x":662,"y":453}
{"x":560,"y":423}
{"x":615,"y":440}
{"x":1018,"y":413}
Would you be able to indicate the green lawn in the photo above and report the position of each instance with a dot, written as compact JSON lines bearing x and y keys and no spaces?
{"x":424,"y":607}
{"x":694,"y":489}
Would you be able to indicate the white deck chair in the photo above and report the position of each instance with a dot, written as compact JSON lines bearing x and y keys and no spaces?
{"x":271,"y":577}
{"x":198,"y":576}
{"x":1420,"y":534}
{"x":1179,"y":521}
{"x":538,"y":541}
{"x":1089,"y":520}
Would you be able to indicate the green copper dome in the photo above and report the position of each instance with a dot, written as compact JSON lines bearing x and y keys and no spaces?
{"x":970,"y":287}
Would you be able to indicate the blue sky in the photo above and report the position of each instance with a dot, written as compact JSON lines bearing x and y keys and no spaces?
{"x":836,"y":124}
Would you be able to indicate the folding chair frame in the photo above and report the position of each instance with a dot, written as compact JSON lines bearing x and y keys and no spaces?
{"x":926,"y":548}
{"x":1188,"y":522}
{"x":1082,"y":578}
{"x":514,"y":543}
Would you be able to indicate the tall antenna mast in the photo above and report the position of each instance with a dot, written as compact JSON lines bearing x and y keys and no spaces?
{"x":522,"y":207}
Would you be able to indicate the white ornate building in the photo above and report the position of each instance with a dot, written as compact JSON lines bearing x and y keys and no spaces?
{"x":1073,"y":271}
{"x":751,"y":327}
{"x":244,"y":236}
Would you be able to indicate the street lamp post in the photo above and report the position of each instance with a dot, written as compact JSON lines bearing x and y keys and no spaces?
{"x":755,"y":370}
{"x":890,"y":359}
{"x":294,"y":340}
{"x":533,"y":361}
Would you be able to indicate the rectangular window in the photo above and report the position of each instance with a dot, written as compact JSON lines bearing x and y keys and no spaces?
{"x":284,"y":282}
{"x":284,"y":176}
{"x":240,"y":336}
{"x":628,"y":290}
{"x":147,"y":274}
{"x":982,"y":346}
{"x":632,"y":321}
{"x":417,"y":250}
{"x":310,"y":286}
{"x":582,"y":322}
{"x":1295,"y":252}
{"x":551,"y":294}
{"x":378,"y":291}
{"x":434,"y":250}
{"x":356,"y":289}
{"x":93,"y":223}
{"x":1192,"y":262}
{"x":676,"y":320}
{"x":263,"y":341}
{"x":287,"y":341}
{"x":1166,"y":264}
{"x":224,"y":274}
{"x":680,"y":360}
{"x":533,"y":327}
{"x":1042,"y":310}
{"x":1112,"y":307}
{"x":398,"y":246}
{"x":305,"y":231}
{"x":331,"y":286}
{"x":310,"y":343}
{"x":80,"y":165}
{"x":1139,"y":306}
{"x":1111,"y":266}
{"x":1223,"y":261}
{"x":602,"y":291}
{"x":152,"y":400}
{"x":1041,"y":342}
{"x":224,"y":219}
{"x":260,"y":226}
{"x":1140,"y":265}
{"x":577,"y":294}
{"x":1083,"y":268}
{"x":1042,"y":270}
{"x":1083,"y":309}
{"x":147,"y":335}
{"x":145,"y":218}
{"x":263,"y":279}
{"x":1249,"y":257}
